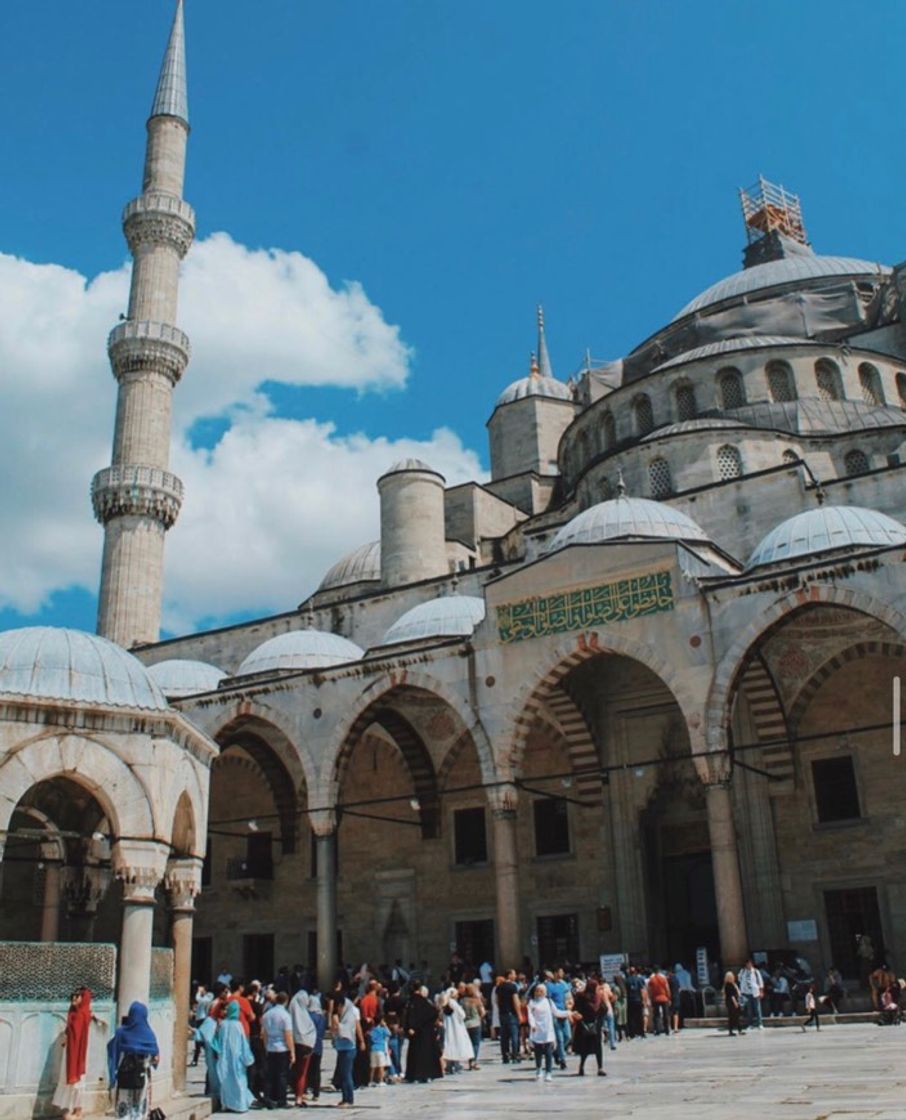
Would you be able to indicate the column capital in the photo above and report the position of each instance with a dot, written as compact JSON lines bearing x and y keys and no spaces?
{"x":323,"y":822}
{"x":183,"y":883}
{"x":503,"y":800}
{"x":140,"y":866}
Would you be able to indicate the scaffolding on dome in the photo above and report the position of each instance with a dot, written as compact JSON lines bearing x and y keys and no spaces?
{"x":767,"y":206}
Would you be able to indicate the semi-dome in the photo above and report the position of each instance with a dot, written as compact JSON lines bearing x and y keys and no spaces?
{"x":627,"y":518}
{"x":300,"y":649}
{"x":446,"y":617}
{"x":180,"y":677}
{"x":799,"y":268}
{"x":535,"y":386}
{"x":52,"y":663}
{"x":827,"y":529}
{"x":359,"y":566}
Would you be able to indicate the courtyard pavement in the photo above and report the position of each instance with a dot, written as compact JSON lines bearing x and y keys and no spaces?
{"x":844,"y":1073}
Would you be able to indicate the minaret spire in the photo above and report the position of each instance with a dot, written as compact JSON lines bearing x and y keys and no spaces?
{"x":171,"y":99}
{"x":137,"y":499}
{"x":544,"y":362}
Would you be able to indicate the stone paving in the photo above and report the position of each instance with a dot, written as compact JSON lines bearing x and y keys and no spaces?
{"x":844,"y":1073}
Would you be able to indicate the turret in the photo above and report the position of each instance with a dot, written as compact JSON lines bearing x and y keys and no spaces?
{"x":137,"y":499}
{"x":413,"y":544}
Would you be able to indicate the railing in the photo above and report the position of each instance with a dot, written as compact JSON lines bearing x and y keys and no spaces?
{"x":159,"y":203}
{"x":147,"y":330}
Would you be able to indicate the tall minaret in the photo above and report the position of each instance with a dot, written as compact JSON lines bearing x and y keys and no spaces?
{"x":137,"y":499}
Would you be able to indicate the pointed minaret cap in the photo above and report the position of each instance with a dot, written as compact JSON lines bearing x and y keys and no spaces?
{"x":171,"y":98}
{"x":544,"y":361}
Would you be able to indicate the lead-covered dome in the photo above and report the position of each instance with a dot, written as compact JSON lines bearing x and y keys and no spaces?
{"x":53,"y":663}
{"x":627,"y":519}
{"x":797,"y":268}
{"x":535,"y":386}
{"x":361,"y":565}
{"x":827,"y":529}
{"x":300,"y":649}
{"x":447,"y":617}
{"x":411,"y":464}
{"x":180,"y":677}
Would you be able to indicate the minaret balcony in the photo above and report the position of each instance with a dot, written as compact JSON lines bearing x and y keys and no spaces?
{"x":138,"y":491}
{"x":158,"y":218}
{"x":148,"y":347}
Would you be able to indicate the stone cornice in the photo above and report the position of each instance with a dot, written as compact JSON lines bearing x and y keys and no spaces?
{"x":148,"y":347}
{"x":140,"y":491}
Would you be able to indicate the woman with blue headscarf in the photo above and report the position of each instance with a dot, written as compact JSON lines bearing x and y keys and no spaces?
{"x":234,"y":1056}
{"x":131,"y":1053}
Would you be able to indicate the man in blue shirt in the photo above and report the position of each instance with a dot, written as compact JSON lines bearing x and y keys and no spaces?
{"x":557,"y":991}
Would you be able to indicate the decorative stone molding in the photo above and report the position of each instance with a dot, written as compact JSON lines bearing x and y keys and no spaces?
{"x":156,"y":218}
{"x":148,"y":347}
{"x":140,"y":866}
{"x":323,"y":821}
{"x":140,"y":491}
{"x":183,"y":882}
{"x":503,"y":800}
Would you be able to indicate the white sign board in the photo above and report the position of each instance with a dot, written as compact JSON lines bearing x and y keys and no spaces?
{"x":701,"y":966}
{"x":610,"y":963}
{"x":805,"y":930}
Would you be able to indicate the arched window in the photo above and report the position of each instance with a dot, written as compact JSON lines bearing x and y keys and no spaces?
{"x":870,"y":380}
{"x":901,"y":389}
{"x":790,"y":456}
{"x":610,"y":431}
{"x":856,"y":462}
{"x":686,"y":406}
{"x":644,"y":417}
{"x":780,"y":382}
{"x":659,"y":478}
{"x":731,"y":389}
{"x":827,"y":378}
{"x":729,"y":463}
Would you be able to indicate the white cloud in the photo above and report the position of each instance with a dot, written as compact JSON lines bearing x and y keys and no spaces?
{"x":261,"y":520}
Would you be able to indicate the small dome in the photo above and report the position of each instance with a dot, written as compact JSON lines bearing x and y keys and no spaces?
{"x":790,"y":270}
{"x":632,"y":518}
{"x":535,"y":387}
{"x":51,"y":663}
{"x":358,"y":566}
{"x":826,"y":529}
{"x":300,"y":649}
{"x":446,"y":617}
{"x":185,"y":678}
{"x":410,"y":464}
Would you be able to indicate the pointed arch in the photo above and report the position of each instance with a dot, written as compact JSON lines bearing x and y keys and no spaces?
{"x":845,"y":657}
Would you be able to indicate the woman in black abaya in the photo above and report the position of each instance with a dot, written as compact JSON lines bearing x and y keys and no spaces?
{"x":420,"y":1028}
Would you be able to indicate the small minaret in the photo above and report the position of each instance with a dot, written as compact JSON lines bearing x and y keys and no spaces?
{"x":136,"y":499}
{"x":544,"y":362}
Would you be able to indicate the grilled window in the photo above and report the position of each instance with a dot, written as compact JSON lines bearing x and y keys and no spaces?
{"x":686,"y":407}
{"x":780,"y":382}
{"x":827,"y":378}
{"x":644,"y":417}
{"x":870,"y":380}
{"x":856,"y":462}
{"x":732,"y":391}
{"x":659,"y":478}
{"x":729,"y":463}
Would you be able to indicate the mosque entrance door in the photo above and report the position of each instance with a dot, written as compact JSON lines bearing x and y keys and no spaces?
{"x":683,"y":908}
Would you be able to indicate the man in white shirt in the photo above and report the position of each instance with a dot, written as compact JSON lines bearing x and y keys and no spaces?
{"x":751,"y":988}
{"x":277,"y":1032}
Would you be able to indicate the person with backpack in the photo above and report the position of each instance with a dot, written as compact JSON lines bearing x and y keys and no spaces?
{"x":131,"y":1055}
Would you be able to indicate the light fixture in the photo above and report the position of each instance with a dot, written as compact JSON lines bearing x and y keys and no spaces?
{"x":253,"y":826}
{"x":415,"y":804}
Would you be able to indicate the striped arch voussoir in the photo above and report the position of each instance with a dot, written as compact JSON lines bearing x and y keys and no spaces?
{"x":845,"y":657}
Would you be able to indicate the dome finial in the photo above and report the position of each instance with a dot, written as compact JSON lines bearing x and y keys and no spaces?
{"x":544,"y":361}
{"x":533,"y":365}
{"x":621,"y":483}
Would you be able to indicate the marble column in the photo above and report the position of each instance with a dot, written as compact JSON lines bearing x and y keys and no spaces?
{"x":183,"y":881}
{"x":140,"y":866}
{"x":506,"y":875}
{"x":731,"y":916}
{"x":632,"y":907}
{"x":50,"y":907}
{"x":324,"y":826}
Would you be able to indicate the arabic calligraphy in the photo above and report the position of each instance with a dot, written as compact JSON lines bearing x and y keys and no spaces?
{"x":586,"y":608}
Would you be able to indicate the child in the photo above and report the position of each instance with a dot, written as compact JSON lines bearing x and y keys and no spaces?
{"x":811,"y":1006}
{"x":395,"y":1045}
{"x":379,"y":1046}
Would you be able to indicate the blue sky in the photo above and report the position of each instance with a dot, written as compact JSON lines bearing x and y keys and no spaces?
{"x":461,"y":161}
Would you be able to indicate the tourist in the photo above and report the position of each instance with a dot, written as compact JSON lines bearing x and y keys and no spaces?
{"x":673,"y":981}
{"x":733,"y":1000}
{"x":507,"y":996}
{"x":457,"y":1044}
{"x":835,"y":990}
{"x":379,"y":1051}
{"x":473,"y":1007}
{"x":687,"y":991}
{"x":131,"y":1054}
{"x":619,"y":1007}
{"x":71,"y":1084}
{"x":259,"y":1004}
{"x":234,"y":1056}
{"x":889,"y":1012}
{"x":557,"y":991}
{"x":635,"y":990}
{"x":659,"y":994}
{"x":607,"y":1015}
{"x":865,"y":951}
{"x":225,"y":976}
{"x":314,"y":1060}
{"x":879,"y":981}
{"x":304,"y":1036}
{"x":780,"y":993}
{"x":542,"y":1014}
{"x":586,"y":1025}
{"x":237,"y":995}
{"x":203,"y":1000}
{"x":811,"y":1007}
{"x":347,"y":1040}
{"x":280,"y":1048}
{"x":420,"y":1026}
{"x":205,"y":1036}
{"x":751,"y":988}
